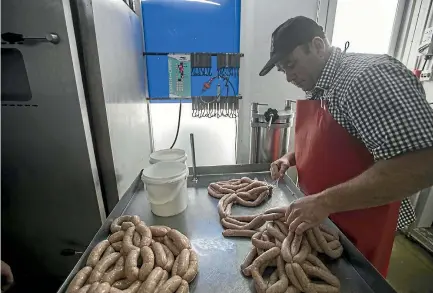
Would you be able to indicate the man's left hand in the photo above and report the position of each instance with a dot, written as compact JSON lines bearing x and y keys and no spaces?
{"x":306,"y":213}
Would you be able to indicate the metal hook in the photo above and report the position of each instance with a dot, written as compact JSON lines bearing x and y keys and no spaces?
{"x":346,"y":46}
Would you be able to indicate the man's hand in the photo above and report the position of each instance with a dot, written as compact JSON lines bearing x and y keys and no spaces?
{"x":306,"y":213}
{"x":280,"y":166}
{"x":7,"y":276}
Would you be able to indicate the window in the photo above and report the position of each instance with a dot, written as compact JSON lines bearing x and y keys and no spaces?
{"x":366,"y":24}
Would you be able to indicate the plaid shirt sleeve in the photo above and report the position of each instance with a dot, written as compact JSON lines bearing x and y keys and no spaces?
{"x":386,"y":105}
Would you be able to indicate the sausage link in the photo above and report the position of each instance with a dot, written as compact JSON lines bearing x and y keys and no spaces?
{"x":103,"y":288}
{"x":127,"y":240}
{"x":329,"y":230}
{"x":336,"y":253}
{"x":228,"y":225}
{"x":102,"y":266}
{"x":117,"y":246}
{"x":273,"y":278}
{"x":117,"y":236}
{"x":83,"y":289}
{"x":148,"y":262}
{"x":219,"y":189}
{"x":175,"y":265}
{"x":158,"y":239}
{"x":249,"y":258}
{"x":262,"y":197}
{"x":283,"y":227}
{"x":314,"y":260}
{"x":108,"y":251}
{"x":313,"y":241}
{"x":152,"y":281}
{"x":171,"y":285}
{"x":136,"y":239}
{"x":192,"y":270}
{"x":285,"y":250}
{"x":258,"y":243}
{"x":79,"y":280}
{"x":272,"y":217}
{"x":278,"y":210}
{"x":183,"y":262}
{"x":183,"y":288}
{"x":93,"y":287}
{"x":97,"y":252}
{"x":117,"y":273}
{"x":303,"y":252}
{"x":170,"y":258}
{"x":214,"y":193}
{"x":250,"y":186}
{"x":122,"y":284}
{"x":131,"y":265}
{"x":302,"y":277}
{"x":159,"y":231}
{"x":162,"y":281}
{"x":115,"y":225}
{"x":292,"y":277}
{"x":318,"y":272}
{"x":275,"y":232}
{"x":238,"y":233}
{"x":169,"y":243}
{"x":236,"y":222}
{"x":328,"y":236}
{"x":296,"y":244}
{"x":145,"y":233}
{"x":135,"y":220}
{"x":222,"y":205}
{"x":160,"y":255}
{"x":126,"y":225}
{"x":259,"y":282}
{"x":131,"y":289}
{"x":281,"y":285}
{"x":180,"y":240}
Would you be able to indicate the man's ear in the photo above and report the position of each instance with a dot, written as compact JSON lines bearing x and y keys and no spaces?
{"x":319,"y":47}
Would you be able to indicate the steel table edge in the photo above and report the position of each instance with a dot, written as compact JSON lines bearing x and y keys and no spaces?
{"x":362,"y":266}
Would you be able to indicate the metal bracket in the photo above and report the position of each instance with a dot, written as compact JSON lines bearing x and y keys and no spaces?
{"x":13,"y":38}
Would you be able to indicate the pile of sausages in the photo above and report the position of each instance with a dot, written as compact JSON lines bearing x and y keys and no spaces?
{"x":245,"y":192}
{"x":137,"y":258}
{"x":298,"y":269}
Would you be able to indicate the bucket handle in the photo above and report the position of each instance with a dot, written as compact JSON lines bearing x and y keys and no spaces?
{"x":173,"y":194}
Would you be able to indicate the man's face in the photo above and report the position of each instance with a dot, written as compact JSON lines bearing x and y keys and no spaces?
{"x":303,"y":66}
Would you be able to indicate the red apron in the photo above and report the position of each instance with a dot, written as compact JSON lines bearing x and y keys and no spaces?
{"x":327,"y":155}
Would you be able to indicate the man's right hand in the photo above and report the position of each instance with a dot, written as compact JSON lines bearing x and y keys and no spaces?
{"x":280,"y":166}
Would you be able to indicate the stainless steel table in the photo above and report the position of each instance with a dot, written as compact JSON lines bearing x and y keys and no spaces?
{"x":219,"y":257}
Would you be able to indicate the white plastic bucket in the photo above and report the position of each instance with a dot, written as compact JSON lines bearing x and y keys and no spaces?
{"x":166,"y":184}
{"x":168,"y":155}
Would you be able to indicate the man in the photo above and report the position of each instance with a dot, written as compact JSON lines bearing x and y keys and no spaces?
{"x":363,"y":138}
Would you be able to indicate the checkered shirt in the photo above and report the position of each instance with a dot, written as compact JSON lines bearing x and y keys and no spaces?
{"x":379,"y":101}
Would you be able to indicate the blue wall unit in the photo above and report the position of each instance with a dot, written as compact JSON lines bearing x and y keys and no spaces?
{"x":185,"y":26}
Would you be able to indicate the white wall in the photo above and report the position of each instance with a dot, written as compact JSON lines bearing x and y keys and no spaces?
{"x":416,"y":19}
{"x":259,"y":18}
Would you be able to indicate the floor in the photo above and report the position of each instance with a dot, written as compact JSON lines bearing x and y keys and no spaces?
{"x":411,"y":267}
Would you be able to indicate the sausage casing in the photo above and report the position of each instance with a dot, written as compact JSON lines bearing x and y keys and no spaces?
{"x":97,"y":252}
{"x":79,"y":280}
{"x":148,"y":262}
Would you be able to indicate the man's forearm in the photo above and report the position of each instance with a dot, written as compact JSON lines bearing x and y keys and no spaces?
{"x":384,"y":182}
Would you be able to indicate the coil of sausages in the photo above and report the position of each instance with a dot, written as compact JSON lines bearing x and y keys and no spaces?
{"x":136,"y":258}
{"x":297,"y":268}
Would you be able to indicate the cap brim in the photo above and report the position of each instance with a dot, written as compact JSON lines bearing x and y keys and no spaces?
{"x":270,"y":64}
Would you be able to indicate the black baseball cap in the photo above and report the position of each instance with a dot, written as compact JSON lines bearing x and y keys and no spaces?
{"x":290,"y":34}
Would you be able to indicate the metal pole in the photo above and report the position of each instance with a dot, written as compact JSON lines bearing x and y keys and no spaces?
{"x":194,"y":171}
